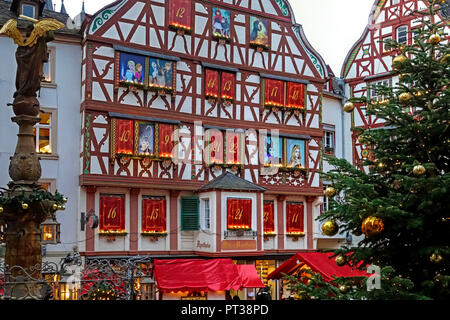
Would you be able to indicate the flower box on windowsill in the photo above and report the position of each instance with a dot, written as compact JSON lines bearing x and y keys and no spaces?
{"x":295,"y":235}
{"x":161,"y":90}
{"x":112,"y":233}
{"x":227,"y":101}
{"x":132,"y":85}
{"x":211,"y":98}
{"x":154,"y":234}
{"x":260,"y":47}
{"x":180,"y":29}
{"x":329,"y":150}
{"x":295,"y":170}
{"x":275,"y":108}
{"x":232,"y":166}
{"x":221,"y":39}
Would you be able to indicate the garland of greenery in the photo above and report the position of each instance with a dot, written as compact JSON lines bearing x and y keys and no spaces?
{"x":34,"y":196}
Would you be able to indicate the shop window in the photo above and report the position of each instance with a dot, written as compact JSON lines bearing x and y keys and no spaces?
{"x":189,"y":213}
{"x":264,"y":268}
{"x":45,"y":132}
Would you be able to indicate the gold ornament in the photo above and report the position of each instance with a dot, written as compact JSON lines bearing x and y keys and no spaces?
{"x":63,"y":207}
{"x":399,"y":60}
{"x":361,"y":139}
{"x":434,"y":38}
{"x":372,"y":226}
{"x":349,"y":106}
{"x":344,"y":289}
{"x":419,"y":170}
{"x":55,"y":207}
{"x":330,"y":228}
{"x":436,"y":258}
{"x":1,"y":209}
{"x":24,"y":206}
{"x":330,"y":192}
{"x":445,"y":58}
{"x":340,"y":260}
{"x":404,"y":97}
{"x":65,"y":200}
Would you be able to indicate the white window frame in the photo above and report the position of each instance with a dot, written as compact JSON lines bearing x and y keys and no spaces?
{"x":205,"y":214}
{"x":329,"y":135}
{"x":398,"y":31}
{"x":29,"y":4}
{"x":48,"y":80}
{"x":52,"y":134}
{"x":373,"y":95}
{"x":394,"y":2}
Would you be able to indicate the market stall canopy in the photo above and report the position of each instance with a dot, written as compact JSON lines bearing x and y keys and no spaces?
{"x":320,"y":262}
{"x":204,"y":275}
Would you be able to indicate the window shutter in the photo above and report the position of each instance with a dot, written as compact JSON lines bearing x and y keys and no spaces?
{"x":189,"y":213}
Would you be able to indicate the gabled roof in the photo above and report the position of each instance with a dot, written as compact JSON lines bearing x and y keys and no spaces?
{"x":229,"y":181}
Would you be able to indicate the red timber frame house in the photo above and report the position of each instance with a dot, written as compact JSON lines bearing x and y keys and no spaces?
{"x":369,"y":62}
{"x":201,"y":131}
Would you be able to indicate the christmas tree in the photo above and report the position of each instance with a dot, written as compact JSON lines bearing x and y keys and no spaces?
{"x":399,"y":203}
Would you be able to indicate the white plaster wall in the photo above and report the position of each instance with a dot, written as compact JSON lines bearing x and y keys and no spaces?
{"x":66,"y":99}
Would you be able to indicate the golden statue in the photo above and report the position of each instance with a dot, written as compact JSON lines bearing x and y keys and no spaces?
{"x":30,"y":56}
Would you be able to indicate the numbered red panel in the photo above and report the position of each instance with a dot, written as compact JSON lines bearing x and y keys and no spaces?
{"x":112,"y":213}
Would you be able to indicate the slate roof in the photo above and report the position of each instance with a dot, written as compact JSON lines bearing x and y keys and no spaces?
{"x":5,"y":15}
{"x":229,"y":181}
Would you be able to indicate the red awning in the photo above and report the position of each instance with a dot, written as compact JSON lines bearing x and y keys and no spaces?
{"x":204,"y":275}
{"x":319,"y":262}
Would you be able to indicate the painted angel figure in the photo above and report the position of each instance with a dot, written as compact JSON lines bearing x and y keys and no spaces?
{"x":30,"y":56}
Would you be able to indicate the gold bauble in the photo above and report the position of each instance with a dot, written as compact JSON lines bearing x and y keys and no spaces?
{"x":434,"y":38}
{"x":398,"y":60}
{"x":349,"y":106}
{"x":65,"y":200}
{"x":436,"y":258}
{"x":419,"y":170}
{"x":340,"y":260}
{"x":55,"y":207}
{"x":361,"y":139}
{"x":344,"y":289}
{"x":24,"y":206}
{"x":1,"y":209}
{"x":445,"y":58}
{"x":330,"y":192}
{"x":330,"y":228}
{"x":63,"y":207}
{"x":404,"y":97}
{"x":372,"y":226}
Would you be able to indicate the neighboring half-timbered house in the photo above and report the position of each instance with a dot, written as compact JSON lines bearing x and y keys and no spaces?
{"x":183,"y":102}
{"x":369,"y":62}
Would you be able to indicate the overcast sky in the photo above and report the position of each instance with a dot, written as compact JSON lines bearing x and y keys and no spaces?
{"x":331,"y":26}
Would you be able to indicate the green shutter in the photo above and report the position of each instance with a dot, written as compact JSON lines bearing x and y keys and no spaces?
{"x":190,"y":213}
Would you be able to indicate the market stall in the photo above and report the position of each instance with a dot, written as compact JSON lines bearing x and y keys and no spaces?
{"x":195,"y":279}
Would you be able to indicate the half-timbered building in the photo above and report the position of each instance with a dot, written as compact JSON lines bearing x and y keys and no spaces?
{"x":369,"y":61}
{"x":201,"y":131}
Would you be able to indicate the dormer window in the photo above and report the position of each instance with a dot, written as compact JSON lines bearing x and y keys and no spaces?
{"x":29,"y":10}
